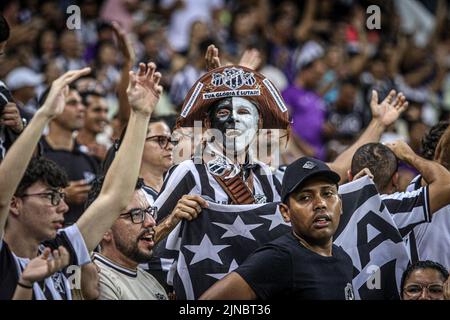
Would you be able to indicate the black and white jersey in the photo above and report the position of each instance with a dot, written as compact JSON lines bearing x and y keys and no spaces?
{"x":194,"y":179}
{"x":408,"y":209}
{"x":431,"y":241}
{"x":150,"y":194}
{"x":55,"y":287}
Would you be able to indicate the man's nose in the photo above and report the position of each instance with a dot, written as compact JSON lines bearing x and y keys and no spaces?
{"x":319,"y":203}
{"x":424,"y":295}
{"x":149,"y":221}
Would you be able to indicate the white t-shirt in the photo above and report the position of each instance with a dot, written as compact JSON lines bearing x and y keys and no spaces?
{"x":120,"y":283}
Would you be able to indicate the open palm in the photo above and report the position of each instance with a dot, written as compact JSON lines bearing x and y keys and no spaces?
{"x":390,"y":109}
{"x":45,"y":265}
{"x":55,"y":101}
{"x":144,"y":90}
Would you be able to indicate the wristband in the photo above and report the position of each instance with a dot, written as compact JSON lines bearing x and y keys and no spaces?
{"x":24,"y":286}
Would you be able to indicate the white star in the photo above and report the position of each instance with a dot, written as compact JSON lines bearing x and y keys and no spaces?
{"x":206,"y":250}
{"x":275,"y":220}
{"x":219,"y":276}
{"x":238,"y":228}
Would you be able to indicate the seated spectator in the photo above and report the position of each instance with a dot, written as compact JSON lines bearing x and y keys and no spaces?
{"x":129,"y":242}
{"x":425,"y":280}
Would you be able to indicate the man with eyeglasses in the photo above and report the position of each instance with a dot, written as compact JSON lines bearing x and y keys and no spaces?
{"x":157,"y":158}
{"x":425,"y":280}
{"x":129,"y":243}
{"x":31,"y":203}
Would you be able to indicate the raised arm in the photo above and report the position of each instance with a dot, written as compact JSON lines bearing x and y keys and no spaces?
{"x":232,"y":287}
{"x":127,"y":50}
{"x":143,"y":95}
{"x":16,"y":160}
{"x":436,"y":176}
{"x":383,"y":115}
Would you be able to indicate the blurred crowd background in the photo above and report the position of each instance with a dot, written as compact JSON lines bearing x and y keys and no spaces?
{"x":325,"y":43}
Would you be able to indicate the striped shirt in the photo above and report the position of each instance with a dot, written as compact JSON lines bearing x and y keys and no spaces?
{"x":431,"y":241}
{"x":189,"y":178}
{"x":55,"y":287}
{"x":408,"y":209}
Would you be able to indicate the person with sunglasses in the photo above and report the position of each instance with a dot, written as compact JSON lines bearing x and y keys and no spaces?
{"x":425,"y":280}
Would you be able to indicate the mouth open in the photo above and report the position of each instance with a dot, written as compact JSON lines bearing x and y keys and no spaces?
{"x":233,"y":133}
{"x":321,"y":221}
{"x":148,"y":239}
{"x":58,"y":224}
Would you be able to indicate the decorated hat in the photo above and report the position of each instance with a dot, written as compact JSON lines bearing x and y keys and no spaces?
{"x":234,"y":81}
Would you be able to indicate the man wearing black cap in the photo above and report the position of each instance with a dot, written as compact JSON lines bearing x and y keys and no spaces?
{"x":303,"y":264}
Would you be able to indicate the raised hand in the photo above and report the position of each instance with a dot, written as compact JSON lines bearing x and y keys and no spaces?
{"x":54,"y":104}
{"x":390,"y":109}
{"x":45,"y":265}
{"x":124,"y":43}
{"x":11,"y":117}
{"x":251,"y":59}
{"x":401,"y":149}
{"x":144,"y":90}
{"x":212,"y":58}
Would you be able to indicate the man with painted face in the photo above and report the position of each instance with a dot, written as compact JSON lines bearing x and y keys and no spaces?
{"x":230,"y":105}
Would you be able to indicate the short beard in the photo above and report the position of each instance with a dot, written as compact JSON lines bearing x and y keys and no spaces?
{"x":132,"y":252}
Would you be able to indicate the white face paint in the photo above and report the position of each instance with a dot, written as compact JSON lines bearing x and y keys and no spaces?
{"x":239,"y":120}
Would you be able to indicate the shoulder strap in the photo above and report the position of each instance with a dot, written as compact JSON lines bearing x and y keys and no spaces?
{"x":236,"y":189}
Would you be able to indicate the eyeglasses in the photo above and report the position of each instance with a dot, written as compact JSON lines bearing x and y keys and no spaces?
{"x":138,"y":215}
{"x":55,"y":197}
{"x":415,"y":290}
{"x":163,"y":141}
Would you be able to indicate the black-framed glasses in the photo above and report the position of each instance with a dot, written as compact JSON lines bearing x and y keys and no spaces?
{"x":138,"y":214}
{"x":163,"y":141}
{"x":55,"y":197}
{"x":414,"y":290}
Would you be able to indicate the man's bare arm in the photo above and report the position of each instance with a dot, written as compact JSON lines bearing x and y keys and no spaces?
{"x":232,"y":287}
{"x":16,"y":160}
{"x":143,"y":94}
{"x":436,"y":176}
{"x":383,"y":115}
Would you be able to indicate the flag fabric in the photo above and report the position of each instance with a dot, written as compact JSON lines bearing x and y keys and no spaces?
{"x":198,"y":253}
{"x":216,"y":243}
{"x":368,"y":233}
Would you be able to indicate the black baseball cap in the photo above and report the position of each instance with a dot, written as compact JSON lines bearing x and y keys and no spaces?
{"x":302,"y":169}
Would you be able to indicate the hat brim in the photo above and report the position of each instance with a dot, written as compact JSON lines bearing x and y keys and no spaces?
{"x":234,"y":81}
{"x":328,"y":174}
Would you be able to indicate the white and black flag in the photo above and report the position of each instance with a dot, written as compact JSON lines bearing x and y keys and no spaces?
{"x":216,"y":243}
{"x":223,"y":236}
{"x":368,"y":234}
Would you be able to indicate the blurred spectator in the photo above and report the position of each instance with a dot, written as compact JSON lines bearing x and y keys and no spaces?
{"x":23,"y":82}
{"x":344,"y":121}
{"x":71,"y":52}
{"x":183,"y":13}
{"x":60,"y":146}
{"x":96,"y":119}
{"x":306,"y":106}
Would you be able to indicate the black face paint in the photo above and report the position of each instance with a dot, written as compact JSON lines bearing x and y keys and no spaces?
{"x":221,"y":115}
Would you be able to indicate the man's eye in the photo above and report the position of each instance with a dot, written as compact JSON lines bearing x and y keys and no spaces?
{"x":305,"y":198}
{"x":243,"y":111}
{"x":223,"y":113}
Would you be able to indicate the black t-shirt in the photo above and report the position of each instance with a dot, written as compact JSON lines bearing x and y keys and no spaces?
{"x":78,"y":165}
{"x":284,"y":269}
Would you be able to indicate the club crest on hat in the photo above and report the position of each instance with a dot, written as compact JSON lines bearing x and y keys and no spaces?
{"x":233,"y":78}
{"x":309,"y":165}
